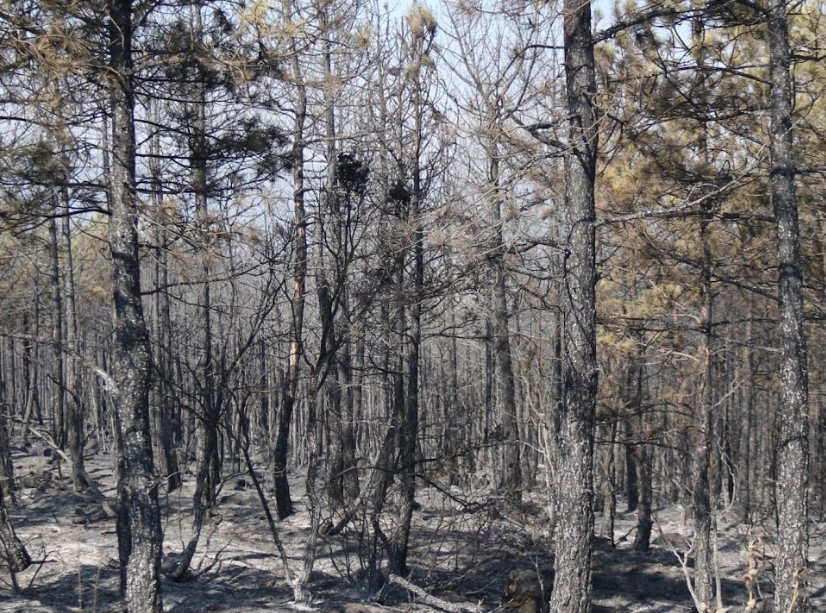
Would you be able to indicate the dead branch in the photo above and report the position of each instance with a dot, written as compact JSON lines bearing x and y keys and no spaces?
{"x":430,"y":600}
{"x":90,"y":484}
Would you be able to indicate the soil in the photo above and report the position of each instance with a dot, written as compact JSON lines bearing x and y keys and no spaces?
{"x":462,"y":548}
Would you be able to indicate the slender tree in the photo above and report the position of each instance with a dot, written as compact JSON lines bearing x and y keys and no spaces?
{"x":208,"y":471}
{"x":167,"y":418}
{"x":575,"y":492}
{"x":74,"y":416}
{"x":290,"y":388}
{"x":793,"y":451}
{"x":705,"y":518}
{"x":139,"y":529}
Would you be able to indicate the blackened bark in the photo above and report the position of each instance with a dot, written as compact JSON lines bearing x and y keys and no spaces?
{"x":6,"y":466}
{"x":704,"y":520}
{"x":641,"y":453}
{"x":398,"y":542}
{"x":313,"y":436}
{"x":632,"y":490}
{"x":703,"y":490}
{"x":74,"y":418}
{"x":575,"y":492}
{"x":410,"y":423}
{"x":511,"y":478}
{"x":352,"y":487}
{"x":13,"y":550}
{"x":407,"y":397}
{"x":632,"y":409}
{"x":609,"y":482}
{"x":208,"y":472}
{"x":345,"y":192}
{"x":409,"y":429}
{"x":58,"y":404}
{"x":283,"y":500}
{"x":744,"y":495}
{"x":488,"y":392}
{"x":139,"y":530}
{"x":793,"y":450}
{"x":169,"y":416}
{"x":383,"y":474}
{"x":165,"y":413}
{"x":30,"y":368}
{"x":392,"y":461}
{"x":645,"y":511}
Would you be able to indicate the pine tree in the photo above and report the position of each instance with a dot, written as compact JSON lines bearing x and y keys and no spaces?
{"x":575,"y":515}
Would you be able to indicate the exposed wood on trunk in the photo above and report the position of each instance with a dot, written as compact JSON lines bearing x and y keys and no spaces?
{"x":289,"y":394}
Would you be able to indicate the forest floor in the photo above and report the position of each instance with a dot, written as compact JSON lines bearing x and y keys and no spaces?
{"x":460,"y":554}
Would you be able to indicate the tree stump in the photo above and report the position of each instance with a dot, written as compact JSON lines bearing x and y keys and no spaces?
{"x":523,"y":591}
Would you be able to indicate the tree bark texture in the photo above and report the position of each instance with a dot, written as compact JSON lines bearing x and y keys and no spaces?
{"x":6,"y":466}
{"x":139,"y":533}
{"x":284,"y":505}
{"x":13,"y":550}
{"x":166,"y":419}
{"x":793,"y":449}
{"x":704,"y":520}
{"x":74,"y":418}
{"x":511,"y":478}
{"x":58,"y":373}
{"x":575,"y":492}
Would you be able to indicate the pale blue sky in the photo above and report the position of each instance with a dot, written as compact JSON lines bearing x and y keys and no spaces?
{"x":601,"y":8}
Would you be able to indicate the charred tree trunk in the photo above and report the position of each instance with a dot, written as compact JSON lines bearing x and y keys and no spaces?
{"x":511,"y":480}
{"x":410,"y":422}
{"x":139,"y":529}
{"x":58,"y":374}
{"x":13,"y":549}
{"x":207,"y":473}
{"x":208,"y":456}
{"x":165,"y":413}
{"x":283,"y":501}
{"x":632,"y":489}
{"x":609,"y":476}
{"x":641,"y":462}
{"x":575,"y":491}
{"x":401,"y":459}
{"x":744,"y":496}
{"x":6,"y":466}
{"x":345,"y":186}
{"x":30,"y":368}
{"x":793,"y":449}
{"x":74,"y":418}
{"x":382,"y":475}
{"x":704,"y":520}
{"x":411,"y":209}
{"x":645,"y":510}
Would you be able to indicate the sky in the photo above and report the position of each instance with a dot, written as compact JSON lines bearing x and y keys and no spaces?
{"x":601,"y":8}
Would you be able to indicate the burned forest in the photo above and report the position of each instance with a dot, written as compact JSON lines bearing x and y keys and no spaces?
{"x":457,"y":306}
